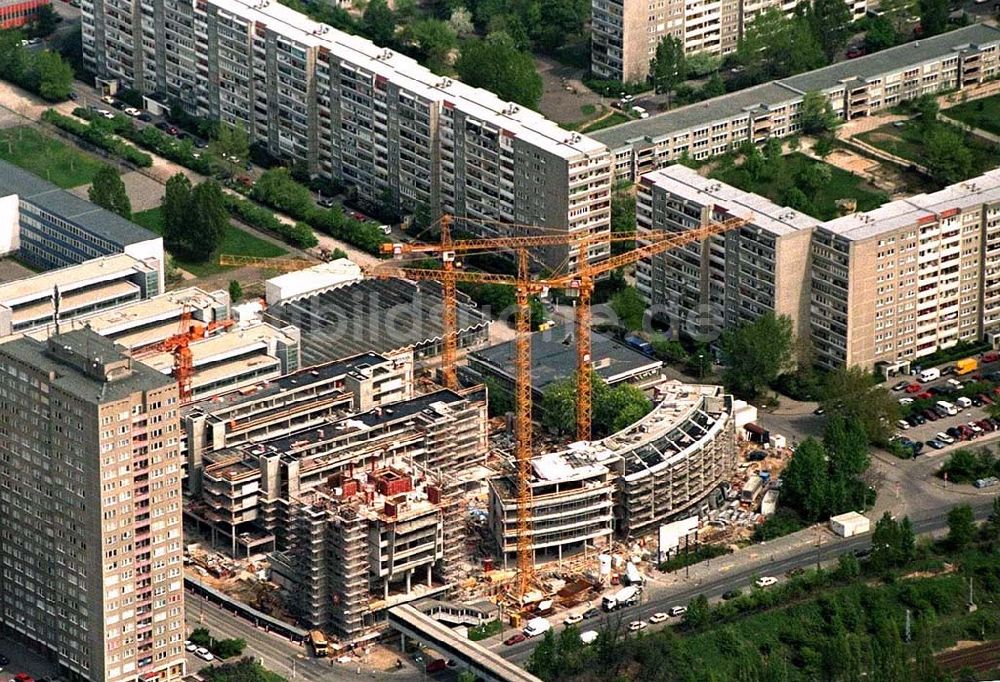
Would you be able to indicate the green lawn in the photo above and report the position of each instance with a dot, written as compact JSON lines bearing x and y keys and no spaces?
{"x":774,"y":185}
{"x":907,"y":141}
{"x":237,"y":242}
{"x":981,"y":113}
{"x":612,"y":120}
{"x":47,"y":157}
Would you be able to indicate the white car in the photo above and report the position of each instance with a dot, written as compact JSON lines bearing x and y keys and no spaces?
{"x":765,"y":581}
{"x":108,"y":99}
{"x":636,"y":625}
{"x":658,"y":618}
{"x":204,"y":654}
{"x":903,"y":424}
{"x":573,"y":619}
{"x":131,"y":111}
{"x":107,"y":114}
{"x":905,"y":401}
{"x":190,"y":646}
{"x":588,"y":636}
{"x":944,"y":438}
{"x":955,"y":383}
{"x":678,"y":611}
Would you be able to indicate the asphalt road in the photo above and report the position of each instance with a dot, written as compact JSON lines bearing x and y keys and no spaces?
{"x":930,"y":521}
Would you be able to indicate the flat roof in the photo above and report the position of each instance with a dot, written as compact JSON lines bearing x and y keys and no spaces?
{"x":88,"y":216}
{"x":407,"y":72}
{"x":971,"y":193}
{"x":85,"y":274}
{"x":553,"y":357}
{"x":228,"y":345}
{"x":756,"y":209}
{"x":788,"y":89}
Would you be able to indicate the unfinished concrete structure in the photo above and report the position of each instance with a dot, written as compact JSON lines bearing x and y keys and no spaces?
{"x":365,"y":542}
{"x":572,"y":502}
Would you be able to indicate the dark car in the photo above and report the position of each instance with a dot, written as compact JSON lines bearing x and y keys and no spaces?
{"x":163,"y":125}
{"x":326,"y":202}
{"x":954,"y":432}
{"x":516,"y":638}
{"x":201,"y":144}
{"x":144,"y":117}
{"x":935,"y":443}
{"x":4,"y":660}
{"x":757,"y":456}
{"x":985,"y":398}
{"x":437,"y":665}
{"x":73,"y":96}
{"x":985,"y":425}
{"x":862,"y":553}
{"x":591,"y":613}
{"x":731,"y":594}
{"x":940,"y":390}
{"x":901,"y":385}
{"x":855,"y":52}
{"x":976,"y":401}
{"x":930,"y":414}
{"x":173,"y":130}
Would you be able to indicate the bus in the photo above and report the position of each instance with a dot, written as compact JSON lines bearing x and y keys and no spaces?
{"x":318,"y":642}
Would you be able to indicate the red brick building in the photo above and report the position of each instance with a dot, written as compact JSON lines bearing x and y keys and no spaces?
{"x":14,"y":13}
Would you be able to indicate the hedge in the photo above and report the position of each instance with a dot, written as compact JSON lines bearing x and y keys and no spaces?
{"x":299,"y":234}
{"x":99,"y":138}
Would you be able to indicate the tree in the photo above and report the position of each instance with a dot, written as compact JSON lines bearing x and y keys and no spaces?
{"x":108,"y":191}
{"x":715,"y":87}
{"x":235,"y":291}
{"x":46,"y":20}
{"x":946,"y":156}
{"x":630,"y":307}
{"x":756,"y":353}
{"x":209,"y":219}
{"x":851,"y":393}
{"x":889,"y":546}
{"x":500,"y":401}
{"x":698,"y":613}
{"x":558,"y":406}
{"x":378,"y":23}
{"x":933,"y":17}
{"x":461,"y":21}
{"x":881,"y":34}
{"x":496,"y":64}
{"x":701,"y":64}
{"x":434,"y":39}
{"x":992,"y":526}
{"x":815,"y":176}
{"x":816,"y":114}
{"x":622,"y":219}
{"x":667,"y":69}
{"x":230,"y":147}
{"x":961,"y":527}
{"x":823,"y":146}
{"x":804,"y":483}
{"x":227,"y":648}
{"x":55,"y":76}
{"x":176,"y":207}
{"x":775,"y":46}
{"x":616,"y":408}
{"x":927,"y":111}
{"x":668,"y":350}
{"x":830,"y":21}
{"x":793,"y":197}
{"x":277,"y":188}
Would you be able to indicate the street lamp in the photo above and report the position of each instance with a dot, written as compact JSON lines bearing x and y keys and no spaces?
{"x":701,"y":365}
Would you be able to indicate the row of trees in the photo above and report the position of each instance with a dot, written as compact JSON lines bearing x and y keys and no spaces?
{"x":612,"y":408}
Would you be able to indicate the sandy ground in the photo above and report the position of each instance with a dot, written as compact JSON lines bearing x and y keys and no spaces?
{"x":562,"y":99}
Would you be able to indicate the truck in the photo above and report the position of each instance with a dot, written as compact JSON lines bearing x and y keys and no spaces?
{"x":750,"y":489}
{"x":536,"y":626}
{"x":965,"y":366}
{"x":317,"y":640}
{"x":627,"y":596}
{"x":932,"y":374}
{"x":632,"y":575}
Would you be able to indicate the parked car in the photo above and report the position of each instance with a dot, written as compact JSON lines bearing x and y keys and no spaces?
{"x":985,"y":398}
{"x":436,"y":666}
{"x":658,"y":617}
{"x":934,"y":443}
{"x":108,"y":99}
{"x":914,"y":388}
{"x":636,"y":625}
{"x":731,"y":594}
{"x":905,"y":401}
{"x":204,"y":654}
{"x":144,"y":117}
{"x":765,"y":581}
{"x":855,"y":52}
{"x":678,"y":611}
{"x":163,"y":125}
{"x":190,"y":646}
{"x":516,"y":638}
{"x":591,"y":613}
{"x":901,"y":385}
{"x":572,"y":619}
{"x":132,"y":111}
{"x":326,"y":202}
{"x":944,"y":438}
{"x":930,"y":415}
{"x":976,"y":401}
{"x":588,"y":636}
{"x":903,"y":424}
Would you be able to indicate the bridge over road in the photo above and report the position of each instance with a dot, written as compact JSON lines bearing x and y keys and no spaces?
{"x":411,"y":622}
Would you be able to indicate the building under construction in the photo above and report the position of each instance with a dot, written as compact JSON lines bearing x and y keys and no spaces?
{"x":670,"y":464}
{"x":248,"y":492}
{"x":366,"y":541}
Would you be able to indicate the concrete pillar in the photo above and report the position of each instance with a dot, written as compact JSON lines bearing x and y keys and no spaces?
{"x":408,"y":575}
{"x":428,"y":575}
{"x":402,"y":642}
{"x":559,"y":548}
{"x":385,"y":584}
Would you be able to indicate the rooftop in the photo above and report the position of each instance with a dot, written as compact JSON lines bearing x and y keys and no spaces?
{"x":782,"y":91}
{"x":522,"y":122}
{"x":229,"y":345}
{"x":72,"y":380}
{"x":381,"y":316}
{"x":757,"y":210}
{"x":40,"y":286}
{"x":553,"y":357}
{"x":87,"y":216}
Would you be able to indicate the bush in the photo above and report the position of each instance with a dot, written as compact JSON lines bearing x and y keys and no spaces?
{"x":702,"y":553}
{"x":201,"y":637}
{"x":299,"y":234}
{"x":98,"y":137}
{"x":785,"y":521}
{"x":227,"y":648}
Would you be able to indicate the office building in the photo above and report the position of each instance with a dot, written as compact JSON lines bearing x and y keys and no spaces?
{"x":90,"y":509}
{"x":625,"y":33}
{"x":40,"y":302}
{"x":856,"y":88}
{"x":572,"y":500}
{"x":399,"y":136}
{"x":50,"y":228}
{"x":731,"y":278}
{"x":18,"y":13}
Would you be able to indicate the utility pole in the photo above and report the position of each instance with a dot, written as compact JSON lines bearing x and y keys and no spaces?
{"x":907,"y":631}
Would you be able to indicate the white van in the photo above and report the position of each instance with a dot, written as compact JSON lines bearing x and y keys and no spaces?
{"x":536,"y":626}
{"x":588,"y":636}
{"x":946,"y":407}
{"x":963,"y":402}
{"x":929,"y":375}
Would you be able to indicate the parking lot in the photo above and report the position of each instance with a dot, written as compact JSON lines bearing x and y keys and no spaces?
{"x":970,"y":395}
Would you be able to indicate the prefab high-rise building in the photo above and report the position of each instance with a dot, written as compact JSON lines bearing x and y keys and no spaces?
{"x":90,"y":509}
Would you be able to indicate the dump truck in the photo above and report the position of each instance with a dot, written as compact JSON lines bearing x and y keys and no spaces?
{"x":967,"y":365}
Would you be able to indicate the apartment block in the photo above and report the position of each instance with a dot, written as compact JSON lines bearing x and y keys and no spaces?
{"x":898,"y":282}
{"x":50,"y":228}
{"x":17,"y":13}
{"x":50,"y":299}
{"x":731,"y":278}
{"x":625,"y":33}
{"x":90,"y":509}
{"x":394,"y":133}
{"x":856,"y":88}
{"x":572,"y":507}
{"x":365,"y":543}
